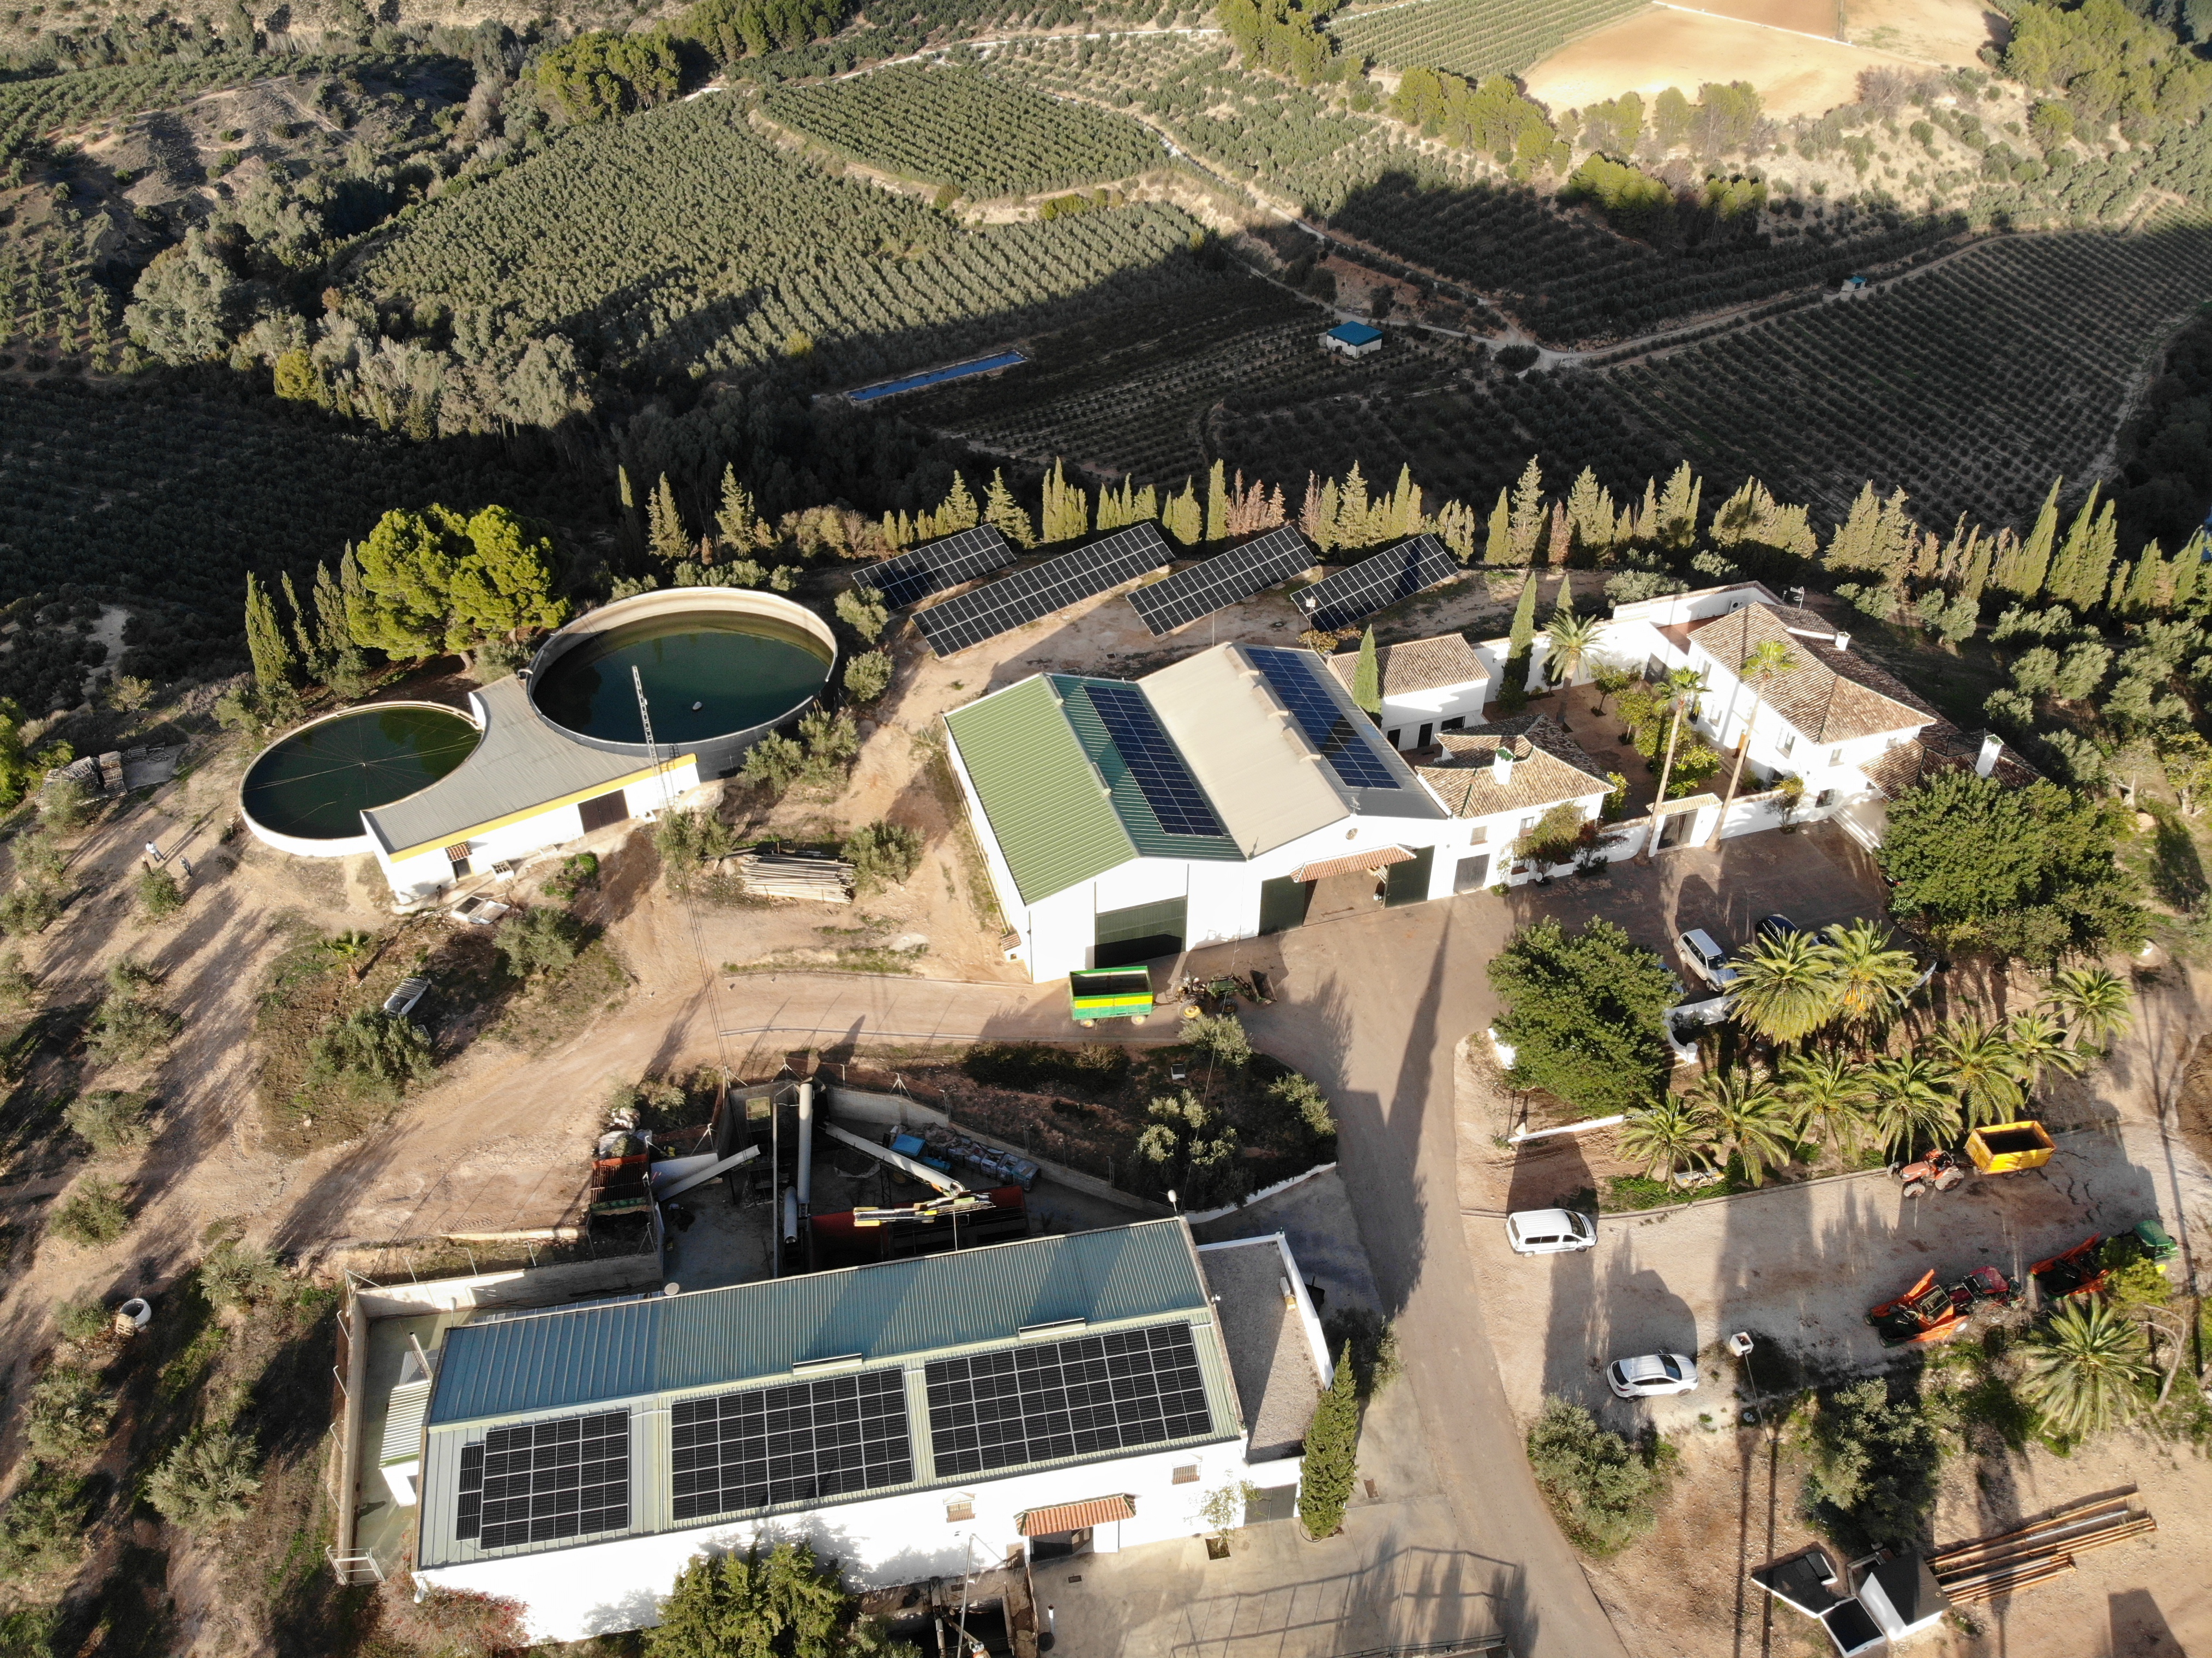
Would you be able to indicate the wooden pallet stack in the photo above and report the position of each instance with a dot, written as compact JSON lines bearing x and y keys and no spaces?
{"x":2036,"y":1553}
{"x":779,"y":875}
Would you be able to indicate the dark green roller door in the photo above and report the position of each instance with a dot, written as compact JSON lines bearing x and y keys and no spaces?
{"x":1283,"y":904}
{"x":1139,"y":933}
{"x":1408,"y":883}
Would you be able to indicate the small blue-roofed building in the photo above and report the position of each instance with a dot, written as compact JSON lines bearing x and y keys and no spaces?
{"x":1352,"y":339}
{"x":913,"y":1419}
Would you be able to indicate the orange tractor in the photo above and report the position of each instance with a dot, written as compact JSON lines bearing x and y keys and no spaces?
{"x":1929,"y":1311}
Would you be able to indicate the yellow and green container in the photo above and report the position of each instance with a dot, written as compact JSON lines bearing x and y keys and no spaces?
{"x":1109,"y":992}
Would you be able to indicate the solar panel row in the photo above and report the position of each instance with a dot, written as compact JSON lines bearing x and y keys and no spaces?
{"x":1153,"y":760}
{"x":1027,"y":595}
{"x":941,"y":564}
{"x":1377,"y":580}
{"x":765,"y":1446}
{"x":1065,"y":1399}
{"x":545,"y":1480}
{"x":1224,"y":579}
{"x":1346,"y":740}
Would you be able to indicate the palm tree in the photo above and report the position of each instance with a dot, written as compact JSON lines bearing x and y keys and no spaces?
{"x":1873,"y":976}
{"x":1677,"y":693}
{"x":1786,"y":988}
{"x":2083,"y":1366}
{"x":1768,"y":660}
{"x":1667,"y":1136}
{"x":1911,"y":1104}
{"x":352,"y":950}
{"x":1749,"y":1119}
{"x":1828,"y":1096}
{"x":1981,"y":1064}
{"x":2093,"y":1001}
{"x":2038,"y":1041}
{"x":1572,"y":637}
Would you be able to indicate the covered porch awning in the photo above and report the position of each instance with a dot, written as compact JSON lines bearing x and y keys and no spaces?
{"x":1353,"y":864}
{"x":1076,"y":1517}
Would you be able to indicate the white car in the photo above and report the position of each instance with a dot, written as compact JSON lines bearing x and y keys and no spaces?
{"x":401,"y":1002}
{"x":1549,"y":1231}
{"x":1653,"y":1375}
{"x":1706,"y":958}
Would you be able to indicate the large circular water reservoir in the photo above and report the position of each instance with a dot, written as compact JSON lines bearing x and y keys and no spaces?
{"x":721,"y":668}
{"x":308,"y":789}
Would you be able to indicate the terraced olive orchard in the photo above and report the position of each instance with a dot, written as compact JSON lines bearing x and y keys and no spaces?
{"x":1471,"y":38}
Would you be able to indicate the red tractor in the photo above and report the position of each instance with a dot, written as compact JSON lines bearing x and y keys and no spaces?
{"x":1939,"y":1171}
{"x":1930,"y":1312}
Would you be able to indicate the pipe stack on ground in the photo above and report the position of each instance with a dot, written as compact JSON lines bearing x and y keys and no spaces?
{"x":778,"y":875}
{"x":2036,"y":1552}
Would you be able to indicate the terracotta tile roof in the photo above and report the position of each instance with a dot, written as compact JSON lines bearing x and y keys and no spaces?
{"x":1074,"y":1516}
{"x":1548,"y":767}
{"x":1352,"y":863}
{"x":1939,"y":749}
{"x":1830,"y":695}
{"x":1418,"y":665}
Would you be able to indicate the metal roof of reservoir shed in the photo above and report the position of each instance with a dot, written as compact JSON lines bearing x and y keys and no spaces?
{"x":712,"y":1338}
{"x":1355,"y":333}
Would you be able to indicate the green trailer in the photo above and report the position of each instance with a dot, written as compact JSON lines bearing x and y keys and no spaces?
{"x":1109,"y":992}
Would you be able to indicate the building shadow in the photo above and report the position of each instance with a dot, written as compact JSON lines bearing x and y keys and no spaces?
{"x":2138,"y":1628}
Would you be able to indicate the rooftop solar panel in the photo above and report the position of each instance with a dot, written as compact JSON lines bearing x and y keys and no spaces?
{"x":1379,"y":579}
{"x":1346,"y":740}
{"x":941,"y":564}
{"x":972,"y":618}
{"x":1169,"y":788}
{"x":1065,"y":1399}
{"x":810,"y":1440}
{"x":543,"y":1480}
{"x":1222,"y":581}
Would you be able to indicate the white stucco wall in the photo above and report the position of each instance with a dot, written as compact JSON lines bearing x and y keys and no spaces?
{"x":427,"y":873}
{"x":1403,"y":716}
{"x":596,"y":1588}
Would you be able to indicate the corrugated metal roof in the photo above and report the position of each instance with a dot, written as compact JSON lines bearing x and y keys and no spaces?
{"x":402,"y":1423}
{"x":1048,"y":807}
{"x":521,"y":764}
{"x":1354,"y":333}
{"x":713,"y":1338}
{"x":1151,"y":838}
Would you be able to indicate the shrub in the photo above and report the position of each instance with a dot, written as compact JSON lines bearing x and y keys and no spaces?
{"x":1372,"y":1341}
{"x":1632,"y":587}
{"x":373,"y":1049}
{"x":1875,"y":1468}
{"x":42,"y":1524}
{"x":1601,"y":1488}
{"x":868,"y":675}
{"x":110,"y":1120}
{"x":131,"y":1024}
{"x":831,"y":741}
{"x":1584,"y":1013}
{"x":29,"y":1631}
{"x":236,"y":1274}
{"x":19,"y":991}
{"x":68,"y":1414}
{"x":1301,"y":1096}
{"x":202,"y":1485}
{"x":1033,"y":1064}
{"x":578,"y":872}
{"x":38,"y":860}
{"x":65,"y":805}
{"x":688,"y":841}
{"x":1332,"y":1452}
{"x":863,"y":613}
{"x":774,"y":764}
{"x":1221,"y":1035}
{"x":737,"y":1605}
{"x":84,"y":1323}
{"x":27,"y":910}
{"x":159,"y":897}
{"x":539,"y":941}
{"x":882,"y":855}
{"x":92,"y":1216}
{"x":451,"y":1623}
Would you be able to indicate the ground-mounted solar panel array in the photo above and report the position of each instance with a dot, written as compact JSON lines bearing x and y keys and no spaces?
{"x":1065,"y":1399}
{"x":1153,"y":760}
{"x":1346,"y":740}
{"x":916,"y":576}
{"x":1377,"y":581}
{"x":1028,"y":595}
{"x":1225,"y":579}
{"x":808,"y":1439}
{"x":546,"y":1480}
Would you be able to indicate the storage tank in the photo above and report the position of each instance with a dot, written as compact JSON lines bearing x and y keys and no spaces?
{"x":304,"y":792}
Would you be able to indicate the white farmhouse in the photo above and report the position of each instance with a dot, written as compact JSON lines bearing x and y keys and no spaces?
{"x":1428,"y":686}
{"x":915,"y":1419}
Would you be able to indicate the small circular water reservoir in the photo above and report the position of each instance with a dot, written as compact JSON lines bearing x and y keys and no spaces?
{"x":708,"y":673}
{"x":312,"y":785}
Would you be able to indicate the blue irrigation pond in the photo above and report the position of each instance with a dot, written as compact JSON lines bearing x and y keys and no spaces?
{"x":958,"y":371}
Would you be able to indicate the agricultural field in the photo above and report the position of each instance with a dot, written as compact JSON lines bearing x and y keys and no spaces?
{"x":685,"y":239}
{"x":964,"y":128}
{"x":1471,"y":38}
{"x":1129,"y":391}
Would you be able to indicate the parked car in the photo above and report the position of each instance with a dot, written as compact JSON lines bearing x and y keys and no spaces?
{"x":1651,"y":1376}
{"x":1705,"y":958}
{"x":1778,"y":927}
{"x":401,"y":1002}
{"x":1549,"y":1231}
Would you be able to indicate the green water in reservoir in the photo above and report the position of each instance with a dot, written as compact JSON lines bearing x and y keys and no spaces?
{"x":706,"y":674}
{"x":315,"y":783}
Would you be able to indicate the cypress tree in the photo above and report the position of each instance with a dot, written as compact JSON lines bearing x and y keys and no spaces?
{"x":312,"y":653}
{"x":2187,"y":571}
{"x":1185,"y":520}
{"x":1367,"y":678}
{"x":1976,"y":576}
{"x":1005,"y":515}
{"x":2135,"y":590}
{"x":273,"y":662}
{"x":957,"y":512}
{"x":1678,"y":508}
{"x":2080,"y":569}
{"x":2031,"y":563}
{"x":1590,"y":510}
{"x":1332,"y":1454}
{"x":1144,"y":503}
{"x":1217,"y":503}
{"x":1354,"y":512}
{"x":1562,"y":539}
{"x":329,"y":611}
{"x":1524,"y":620}
{"x":1066,"y":507}
{"x":1855,"y":544}
{"x":361,"y":613}
{"x":1527,"y":519}
{"x":666,"y":537}
{"x":1328,"y":521}
{"x":1406,"y":504}
{"x":744,"y":532}
{"x":1498,"y":546}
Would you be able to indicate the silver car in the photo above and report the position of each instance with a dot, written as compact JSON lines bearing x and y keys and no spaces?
{"x":1549,"y":1231}
{"x":1705,"y":958}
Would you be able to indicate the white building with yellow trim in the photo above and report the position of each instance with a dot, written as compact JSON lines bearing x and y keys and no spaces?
{"x":468,"y":820}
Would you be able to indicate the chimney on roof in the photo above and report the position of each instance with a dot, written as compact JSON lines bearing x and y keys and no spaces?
{"x":1501,"y":765}
{"x":1986,"y":761}
{"x":1841,"y":641}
